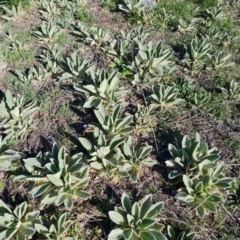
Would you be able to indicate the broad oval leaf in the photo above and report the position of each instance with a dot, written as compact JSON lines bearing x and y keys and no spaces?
{"x":117,"y":218}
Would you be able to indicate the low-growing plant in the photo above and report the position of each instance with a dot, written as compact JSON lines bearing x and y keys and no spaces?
{"x":17,"y":46}
{"x":54,"y":228}
{"x":233,"y":92}
{"x":103,"y":89}
{"x":191,"y":157}
{"x":49,"y":8}
{"x":136,"y":10}
{"x":197,"y":54}
{"x":123,"y":48}
{"x":48,"y":32}
{"x":2,"y":27}
{"x":199,"y":99}
{"x":104,"y":155}
{"x":8,"y":155}
{"x":162,"y":18}
{"x":74,"y":68}
{"x":13,"y":13}
{"x":136,"y":159}
{"x":113,"y":124}
{"x":164,"y":98}
{"x":151,"y":62}
{"x":228,"y":40}
{"x":16,"y":117}
{"x":98,"y":36}
{"x":234,"y":196}
{"x":81,"y":29}
{"x":144,"y":119}
{"x":212,"y":34}
{"x":34,"y":75}
{"x":57,"y":177}
{"x":95,"y":36}
{"x":215,"y":13}
{"x":194,"y":98}
{"x":186,"y":26}
{"x":23,"y":77}
{"x":65,"y":21}
{"x":204,"y":194}
{"x":51,"y":58}
{"x":17,"y":224}
{"x":137,"y":221}
{"x":9,"y":36}
{"x":181,"y":236}
{"x":82,"y":14}
{"x":220,"y":61}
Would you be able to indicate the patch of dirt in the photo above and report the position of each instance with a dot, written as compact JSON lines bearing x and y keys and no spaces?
{"x":113,"y":21}
{"x":30,"y":20}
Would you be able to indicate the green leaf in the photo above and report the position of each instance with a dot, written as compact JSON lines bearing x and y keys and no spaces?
{"x":9,"y":99}
{"x":190,"y":236}
{"x":2,"y":185}
{"x":146,"y":223}
{"x":214,"y":198}
{"x":20,"y":210}
{"x":116,"y":217}
{"x":116,"y":234}
{"x":86,"y":143}
{"x":38,"y":191}
{"x":124,"y":122}
{"x":130,"y":220}
{"x":4,"y":208}
{"x":200,"y":211}
{"x":93,"y":102}
{"x":222,"y":185}
{"x":41,"y":229}
{"x":134,"y":173}
{"x":171,"y":232}
{"x":127,"y":234}
{"x":61,"y":221}
{"x":50,"y":198}
{"x":173,"y":150}
{"x":199,"y":187}
{"x":68,"y":202}
{"x":147,"y":236}
{"x":158,"y":235}
{"x":11,"y":155}
{"x":135,"y":211}
{"x":5,"y":165}
{"x":145,"y":206}
{"x":181,"y":196}
{"x":100,"y":114}
{"x":126,"y":130}
{"x":26,"y":230}
{"x":187,"y":181}
{"x":173,"y":174}
{"x":126,"y":203}
{"x":60,"y":199}
{"x":32,"y":216}
{"x":206,"y":180}
{"x":55,"y":180}
{"x":116,"y":112}
{"x":143,"y":152}
{"x":210,"y":206}
{"x":115,"y":142}
{"x":154,"y":210}
{"x":82,"y":194}
{"x":8,"y":234}
{"x":218,"y":170}
{"x":55,"y":150}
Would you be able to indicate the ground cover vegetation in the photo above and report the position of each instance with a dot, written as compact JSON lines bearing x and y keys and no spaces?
{"x":119,"y":119}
